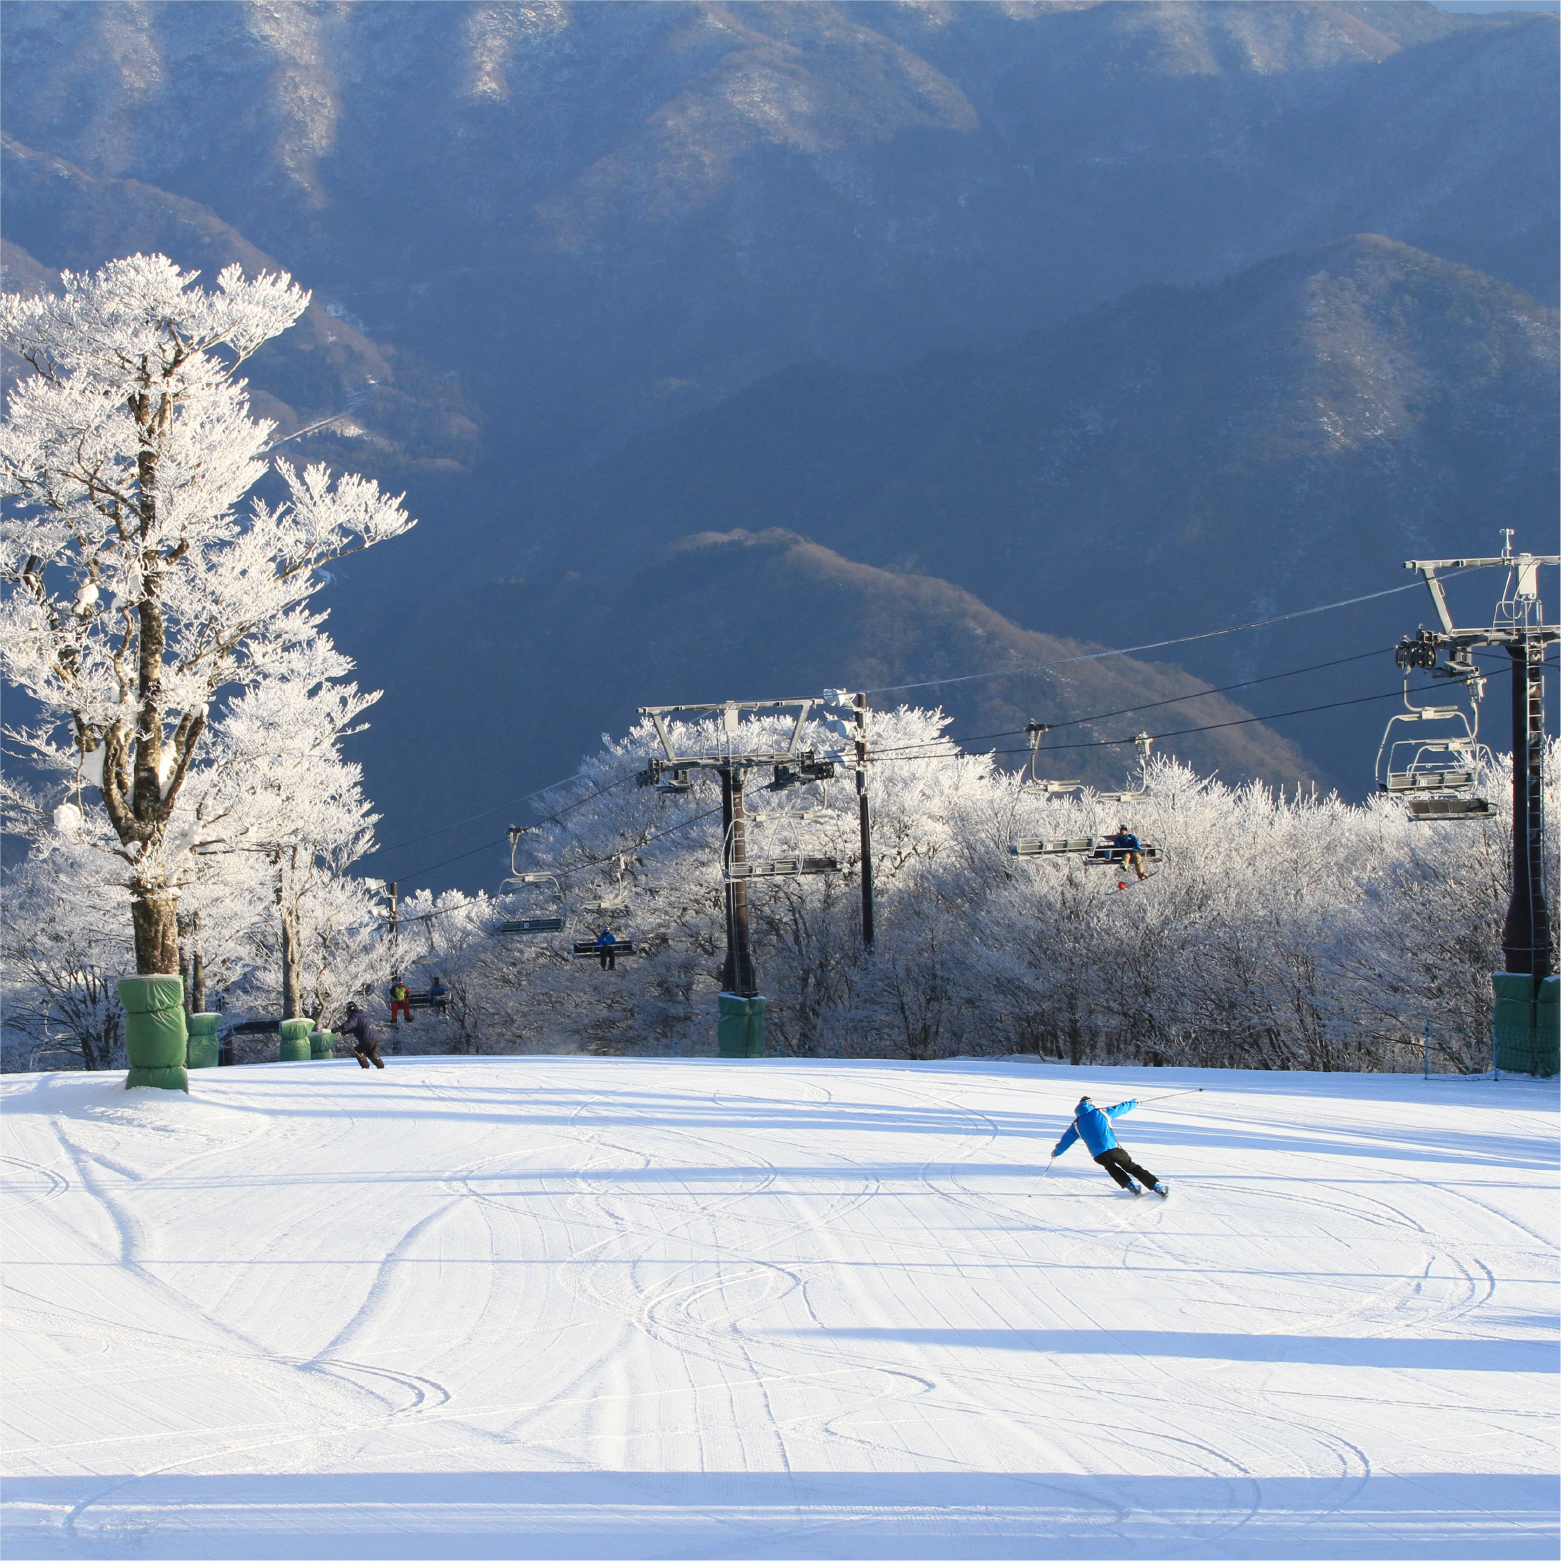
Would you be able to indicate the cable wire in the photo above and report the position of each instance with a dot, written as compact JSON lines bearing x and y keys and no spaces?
{"x":1186,"y":639}
{"x":1105,"y":715}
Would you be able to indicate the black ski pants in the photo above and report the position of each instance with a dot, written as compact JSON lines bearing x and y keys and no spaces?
{"x":1122,"y":1167}
{"x":366,"y":1054}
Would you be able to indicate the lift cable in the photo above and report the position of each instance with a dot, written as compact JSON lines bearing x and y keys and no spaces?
{"x":1105,"y":715}
{"x":1118,"y":742}
{"x":577,"y":867}
{"x":1133,"y":650}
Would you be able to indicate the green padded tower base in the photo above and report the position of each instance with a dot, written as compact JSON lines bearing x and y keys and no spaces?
{"x":158,"y":1078}
{"x":202,"y":1047}
{"x":294,"y":1043}
{"x":739,"y":1030}
{"x":156,"y":1038}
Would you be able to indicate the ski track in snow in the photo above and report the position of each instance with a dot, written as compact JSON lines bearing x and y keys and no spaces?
{"x":578,"y":1307}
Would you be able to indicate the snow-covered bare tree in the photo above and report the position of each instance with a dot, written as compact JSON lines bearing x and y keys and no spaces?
{"x":63,"y":944}
{"x":140,"y":584}
{"x":275,"y":785}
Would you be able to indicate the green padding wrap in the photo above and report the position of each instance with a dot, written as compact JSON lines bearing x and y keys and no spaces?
{"x":1525,"y":1024}
{"x":155,"y":1034}
{"x":294,"y":1045}
{"x":740,"y":1028}
{"x":322,"y":1043}
{"x":202,"y":1049}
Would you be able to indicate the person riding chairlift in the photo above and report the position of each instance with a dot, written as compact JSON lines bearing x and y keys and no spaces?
{"x":1125,"y":846}
{"x":606,"y":950}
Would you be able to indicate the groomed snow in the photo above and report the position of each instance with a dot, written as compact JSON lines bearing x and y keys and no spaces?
{"x":580,"y":1307}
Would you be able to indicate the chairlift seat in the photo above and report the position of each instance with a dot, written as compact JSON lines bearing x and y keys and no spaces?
{"x":1429,"y":780}
{"x":1096,"y":850}
{"x":528,"y":924}
{"x":589,"y":948}
{"x":1432,"y":809}
{"x":783,"y":867}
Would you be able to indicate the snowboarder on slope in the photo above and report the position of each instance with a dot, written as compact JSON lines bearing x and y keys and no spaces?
{"x":365,"y":1038}
{"x":1094,"y":1126}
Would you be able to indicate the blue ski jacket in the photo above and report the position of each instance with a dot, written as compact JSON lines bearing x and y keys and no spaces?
{"x":1094,"y":1126}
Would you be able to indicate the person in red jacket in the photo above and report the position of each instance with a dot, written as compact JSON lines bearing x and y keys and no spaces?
{"x":400,"y":998}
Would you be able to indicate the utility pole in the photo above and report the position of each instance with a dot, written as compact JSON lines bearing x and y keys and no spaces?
{"x":741,"y":1026}
{"x":856,"y":706}
{"x":1525,"y":935}
{"x":864,"y":820}
{"x":737,"y":973}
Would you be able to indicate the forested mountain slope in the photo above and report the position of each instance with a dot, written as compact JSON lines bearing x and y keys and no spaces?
{"x":1166,"y":390}
{"x":1314,"y":419}
{"x":604,"y":213}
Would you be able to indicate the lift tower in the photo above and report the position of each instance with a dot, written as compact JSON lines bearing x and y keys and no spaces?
{"x":741,"y":1005}
{"x":1518,"y":627}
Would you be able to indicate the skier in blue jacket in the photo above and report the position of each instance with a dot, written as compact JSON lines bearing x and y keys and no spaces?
{"x":1094,"y":1126}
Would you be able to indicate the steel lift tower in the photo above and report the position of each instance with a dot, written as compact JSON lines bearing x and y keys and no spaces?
{"x":1518,"y":627}
{"x":741,"y":1025}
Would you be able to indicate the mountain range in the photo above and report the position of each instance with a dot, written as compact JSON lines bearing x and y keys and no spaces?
{"x":725,"y":346}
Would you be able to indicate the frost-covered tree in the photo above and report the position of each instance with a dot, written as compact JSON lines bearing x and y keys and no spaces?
{"x":63,"y":944}
{"x":140,"y":583}
{"x":275,"y":785}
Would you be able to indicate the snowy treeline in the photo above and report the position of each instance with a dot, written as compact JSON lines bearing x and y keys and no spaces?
{"x":1280,"y":931}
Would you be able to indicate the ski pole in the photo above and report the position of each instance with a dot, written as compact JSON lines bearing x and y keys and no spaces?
{"x":1041,"y":1178}
{"x":1167,"y":1096}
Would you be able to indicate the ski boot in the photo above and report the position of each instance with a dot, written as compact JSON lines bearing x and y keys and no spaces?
{"x":1162,"y":1189}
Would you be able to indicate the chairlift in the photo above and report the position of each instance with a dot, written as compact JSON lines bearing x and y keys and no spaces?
{"x":1090,"y":850}
{"x":1435,"y":775}
{"x":522,"y":926}
{"x":605,"y":954}
{"x":1036,"y":786}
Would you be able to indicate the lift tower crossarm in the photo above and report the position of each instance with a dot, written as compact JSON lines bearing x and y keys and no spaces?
{"x":1527,"y":565}
{"x":731,"y":708}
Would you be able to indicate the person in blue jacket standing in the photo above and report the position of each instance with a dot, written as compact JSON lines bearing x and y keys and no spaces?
{"x":1094,"y":1126}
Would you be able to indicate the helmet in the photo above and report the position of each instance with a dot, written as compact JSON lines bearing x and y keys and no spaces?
{"x":352,"y":1008}
{"x":1084,"y":1100}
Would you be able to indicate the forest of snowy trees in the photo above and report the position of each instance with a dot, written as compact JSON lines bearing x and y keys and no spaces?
{"x":189,"y":809}
{"x":1279,"y":932}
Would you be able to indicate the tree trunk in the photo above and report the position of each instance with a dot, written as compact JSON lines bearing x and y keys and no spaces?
{"x":292,"y":995}
{"x":154,"y":913}
{"x":197,"y":974}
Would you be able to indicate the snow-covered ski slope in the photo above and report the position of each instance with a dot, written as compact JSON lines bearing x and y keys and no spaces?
{"x":579,"y":1307}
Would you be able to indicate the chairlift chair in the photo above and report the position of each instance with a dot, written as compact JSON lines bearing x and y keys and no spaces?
{"x":1435,"y":775}
{"x":529,"y":924}
{"x":1091,"y":850}
{"x":1036,"y":786}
